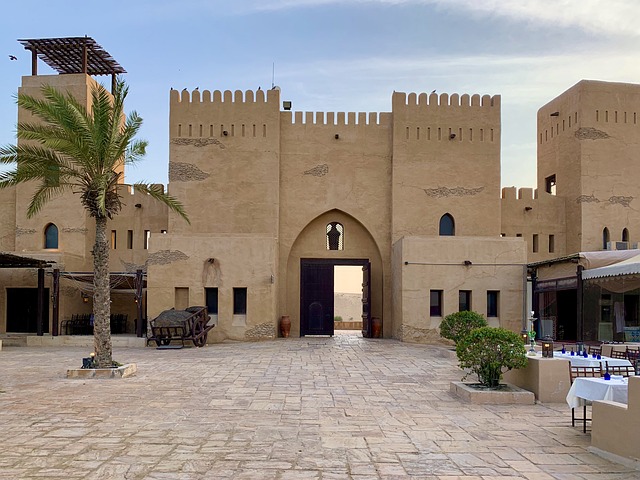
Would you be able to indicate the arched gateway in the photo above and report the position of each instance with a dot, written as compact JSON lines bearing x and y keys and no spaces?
{"x":310,"y":272}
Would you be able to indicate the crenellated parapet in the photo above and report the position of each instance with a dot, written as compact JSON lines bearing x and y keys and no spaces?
{"x":356,"y":123}
{"x":206,"y":114}
{"x":236,"y":97}
{"x":444,"y":117}
{"x":524,"y":194}
{"x":444,"y":100}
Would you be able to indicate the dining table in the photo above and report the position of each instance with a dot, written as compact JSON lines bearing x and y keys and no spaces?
{"x":590,"y":361}
{"x":589,"y":389}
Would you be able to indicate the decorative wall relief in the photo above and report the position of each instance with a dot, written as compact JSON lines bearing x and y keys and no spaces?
{"x":441,"y":192}
{"x":587,"y":199}
{"x":75,"y":230}
{"x":620,"y":200}
{"x":164,"y":257}
{"x":198,"y":142}
{"x":318,"y":171}
{"x":613,"y":200}
{"x":24,"y":231}
{"x":186,"y":172}
{"x":132,"y":267}
{"x":590,"y":133}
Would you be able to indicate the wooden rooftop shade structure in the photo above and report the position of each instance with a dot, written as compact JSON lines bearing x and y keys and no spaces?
{"x":72,"y":55}
{"x":8,"y":260}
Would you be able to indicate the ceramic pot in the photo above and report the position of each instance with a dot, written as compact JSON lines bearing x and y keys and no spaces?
{"x":376,"y":327}
{"x":285,"y":326}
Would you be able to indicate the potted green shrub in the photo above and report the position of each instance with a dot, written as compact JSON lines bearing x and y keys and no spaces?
{"x":489,"y":352}
{"x":457,"y":325}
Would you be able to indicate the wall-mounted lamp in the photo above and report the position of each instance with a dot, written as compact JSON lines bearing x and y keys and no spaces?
{"x":336,"y":136}
{"x":526,"y":209}
{"x":138,"y":205}
{"x":554,"y":114}
{"x":468,"y":263}
{"x":211,"y":260}
{"x":273,"y":279}
{"x":85,"y":297}
{"x":286,"y":105}
{"x":452,"y":136}
{"x":225,"y":133}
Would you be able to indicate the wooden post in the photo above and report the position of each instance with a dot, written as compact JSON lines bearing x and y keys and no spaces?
{"x":579,"y":316}
{"x":40,"y":310}
{"x":55,"y":297}
{"x":34,"y":62}
{"x":84,"y":55}
{"x":138,"y":294}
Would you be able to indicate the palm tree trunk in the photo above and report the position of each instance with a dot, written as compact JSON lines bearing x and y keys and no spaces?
{"x":101,"y":297}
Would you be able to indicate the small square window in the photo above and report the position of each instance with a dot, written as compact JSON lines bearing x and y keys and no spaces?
{"x":550,"y":184}
{"x":493,"y":300}
{"x":239,"y":300}
{"x":464,"y":300}
{"x":212,"y":300}
{"x":436,"y":303}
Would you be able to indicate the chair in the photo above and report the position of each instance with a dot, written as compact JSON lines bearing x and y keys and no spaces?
{"x":633,"y":354}
{"x":595,"y":350}
{"x":619,"y":354}
{"x":624,"y":370}
{"x":575,"y":372}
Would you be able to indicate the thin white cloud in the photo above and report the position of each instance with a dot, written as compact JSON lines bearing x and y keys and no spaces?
{"x":612,"y":17}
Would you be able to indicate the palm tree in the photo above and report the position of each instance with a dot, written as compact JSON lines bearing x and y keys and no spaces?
{"x":73,"y":149}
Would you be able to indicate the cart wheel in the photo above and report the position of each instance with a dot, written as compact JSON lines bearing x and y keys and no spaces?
{"x":200,"y":341}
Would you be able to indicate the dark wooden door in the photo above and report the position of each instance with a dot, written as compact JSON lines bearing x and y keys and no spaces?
{"x":316,"y":298}
{"x":366,"y":300}
{"x":22,"y":310}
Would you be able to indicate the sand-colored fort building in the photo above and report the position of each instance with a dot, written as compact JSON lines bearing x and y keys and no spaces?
{"x":277,"y":198}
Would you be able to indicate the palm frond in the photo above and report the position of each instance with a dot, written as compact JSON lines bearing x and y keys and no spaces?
{"x":156,"y":192}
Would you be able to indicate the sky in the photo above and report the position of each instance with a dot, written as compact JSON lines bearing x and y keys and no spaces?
{"x":329,"y":55}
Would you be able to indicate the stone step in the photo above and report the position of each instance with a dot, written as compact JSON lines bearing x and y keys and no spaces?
{"x":30,"y":340}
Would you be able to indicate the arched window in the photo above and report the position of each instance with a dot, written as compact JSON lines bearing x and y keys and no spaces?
{"x":335,"y":236}
{"x":447,"y":225}
{"x":625,"y":235}
{"x":51,"y":236}
{"x":605,"y":238}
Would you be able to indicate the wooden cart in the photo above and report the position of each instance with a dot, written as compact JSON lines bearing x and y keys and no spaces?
{"x":180,"y":325}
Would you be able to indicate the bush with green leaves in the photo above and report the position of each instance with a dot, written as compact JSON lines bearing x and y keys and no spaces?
{"x":457,"y":325}
{"x":489,"y":352}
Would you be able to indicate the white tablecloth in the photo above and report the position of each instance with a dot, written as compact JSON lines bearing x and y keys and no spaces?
{"x":578,"y":361}
{"x":586,"y":388}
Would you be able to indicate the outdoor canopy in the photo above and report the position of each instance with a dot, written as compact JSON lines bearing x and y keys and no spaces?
{"x":619,"y":277}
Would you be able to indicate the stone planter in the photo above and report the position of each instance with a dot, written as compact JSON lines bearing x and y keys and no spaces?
{"x":117,"y":372}
{"x":507,"y":394}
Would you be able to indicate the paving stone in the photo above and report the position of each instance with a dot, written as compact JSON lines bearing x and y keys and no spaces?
{"x":309,"y":408}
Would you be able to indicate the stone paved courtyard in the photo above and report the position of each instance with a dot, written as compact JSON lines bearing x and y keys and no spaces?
{"x":309,"y":408}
